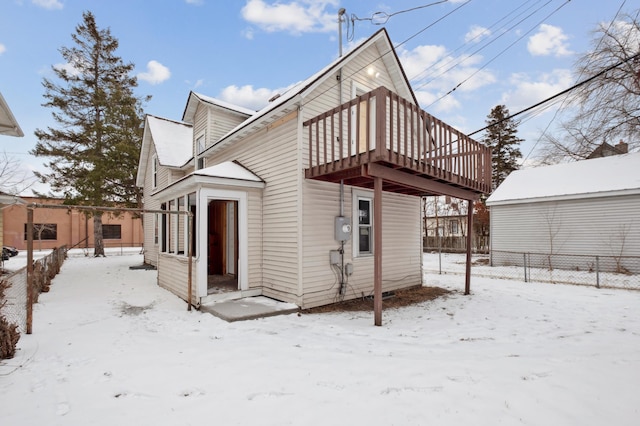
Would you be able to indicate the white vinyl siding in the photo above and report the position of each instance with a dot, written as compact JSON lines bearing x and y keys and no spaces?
{"x":173,"y":276}
{"x":401,"y":253}
{"x":272,"y":156}
{"x":591,"y":226}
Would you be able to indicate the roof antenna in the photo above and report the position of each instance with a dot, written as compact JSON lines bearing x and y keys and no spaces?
{"x":341,"y":12}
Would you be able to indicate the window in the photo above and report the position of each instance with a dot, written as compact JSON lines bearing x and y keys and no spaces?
{"x":171,"y":230}
{"x":200,"y":145}
{"x":155,"y":229}
{"x":454,"y":227}
{"x":154,"y":170}
{"x":43,"y":231}
{"x":111,"y":232}
{"x":363,"y":214}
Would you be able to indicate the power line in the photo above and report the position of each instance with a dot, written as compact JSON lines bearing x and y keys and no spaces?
{"x":581,"y":73}
{"x":575,"y":86}
{"x":381,"y":18}
{"x":489,"y":43}
{"x":393,"y":48}
{"x":426,"y":71}
{"x":498,"y":55}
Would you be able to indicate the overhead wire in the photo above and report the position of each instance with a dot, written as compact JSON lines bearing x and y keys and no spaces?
{"x":470,"y":43}
{"x":499,"y":54}
{"x":578,"y":78}
{"x":464,"y":59}
{"x":575,"y":86}
{"x":393,"y":48}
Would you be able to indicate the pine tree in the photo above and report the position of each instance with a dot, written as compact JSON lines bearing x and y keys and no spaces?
{"x":505,"y":145}
{"x":96,"y":146}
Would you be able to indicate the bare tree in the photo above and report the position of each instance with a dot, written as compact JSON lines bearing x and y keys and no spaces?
{"x":607,"y":107}
{"x":617,"y":242}
{"x":14,"y":178}
{"x":553,"y":226}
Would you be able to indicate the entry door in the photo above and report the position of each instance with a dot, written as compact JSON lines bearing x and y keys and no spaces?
{"x":216,"y":237}
{"x":222,"y":238}
{"x":359,"y":122}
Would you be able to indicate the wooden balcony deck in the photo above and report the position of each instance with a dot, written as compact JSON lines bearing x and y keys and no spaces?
{"x":380,"y":134}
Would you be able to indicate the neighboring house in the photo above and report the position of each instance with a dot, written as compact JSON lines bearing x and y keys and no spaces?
{"x":8,"y":124}
{"x":587,"y":207}
{"x":606,"y":150}
{"x":54,"y":227}
{"x":299,"y":200}
{"x":8,"y":127}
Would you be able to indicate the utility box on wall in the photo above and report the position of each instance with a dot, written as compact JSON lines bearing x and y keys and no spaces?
{"x":343,"y":228}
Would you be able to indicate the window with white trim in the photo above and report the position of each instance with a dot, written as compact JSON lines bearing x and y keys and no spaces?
{"x":363,"y":221}
{"x":200,"y":146}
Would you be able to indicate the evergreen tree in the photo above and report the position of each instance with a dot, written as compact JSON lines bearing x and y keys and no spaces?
{"x":96,"y":146}
{"x":505,"y":145}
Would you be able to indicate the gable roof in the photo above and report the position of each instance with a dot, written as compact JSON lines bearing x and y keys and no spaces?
{"x":194,"y":98}
{"x":8,"y":124}
{"x":286,"y":102}
{"x":598,"y":177}
{"x":172,"y":140}
{"x":229,"y":170}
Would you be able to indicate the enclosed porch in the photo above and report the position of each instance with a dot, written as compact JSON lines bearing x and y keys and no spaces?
{"x":383,"y":142}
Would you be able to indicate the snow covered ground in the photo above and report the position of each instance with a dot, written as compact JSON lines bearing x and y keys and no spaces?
{"x":110,"y":347}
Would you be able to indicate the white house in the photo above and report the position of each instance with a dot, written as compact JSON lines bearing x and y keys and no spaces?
{"x":299,"y":200}
{"x":589,"y":207}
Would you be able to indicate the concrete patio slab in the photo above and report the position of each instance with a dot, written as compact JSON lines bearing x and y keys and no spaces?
{"x":248,"y":308}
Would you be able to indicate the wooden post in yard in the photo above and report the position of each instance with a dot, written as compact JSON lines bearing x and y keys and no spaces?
{"x":467,"y":277}
{"x":29,"y":271}
{"x":377,"y":250}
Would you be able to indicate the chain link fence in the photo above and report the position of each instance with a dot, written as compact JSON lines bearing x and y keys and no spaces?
{"x":14,"y":307}
{"x":598,"y":271}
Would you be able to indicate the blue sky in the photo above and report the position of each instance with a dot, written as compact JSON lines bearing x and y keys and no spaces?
{"x":512,"y":52}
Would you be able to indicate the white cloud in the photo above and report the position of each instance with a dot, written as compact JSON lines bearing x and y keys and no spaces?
{"x":434,"y":72}
{"x":194,"y":2}
{"x":156,"y":73}
{"x":476,"y":33}
{"x":2,"y":48}
{"x":528,"y":92}
{"x":295,"y":17}
{"x":48,"y":4}
{"x":248,"y":97}
{"x":549,"y":40}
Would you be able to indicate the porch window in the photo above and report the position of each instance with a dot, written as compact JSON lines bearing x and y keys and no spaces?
{"x":171,"y":238}
{"x":180,"y":229}
{"x":155,"y":229}
{"x":171,"y":229}
{"x":191,"y":203}
{"x":363,"y":213}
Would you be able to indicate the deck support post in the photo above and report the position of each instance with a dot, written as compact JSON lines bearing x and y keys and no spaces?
{"x":467,"y":277}
{"x":377,"y":250}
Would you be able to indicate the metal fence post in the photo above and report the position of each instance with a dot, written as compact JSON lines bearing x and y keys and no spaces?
{"x":597,"y":271}
{"x":524,"y":265}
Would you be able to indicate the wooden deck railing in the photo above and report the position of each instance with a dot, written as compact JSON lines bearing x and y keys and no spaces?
{"x":382,"y":127}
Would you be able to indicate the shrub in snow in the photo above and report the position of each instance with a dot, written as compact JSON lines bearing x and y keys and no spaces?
{"x":9,"y":333}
